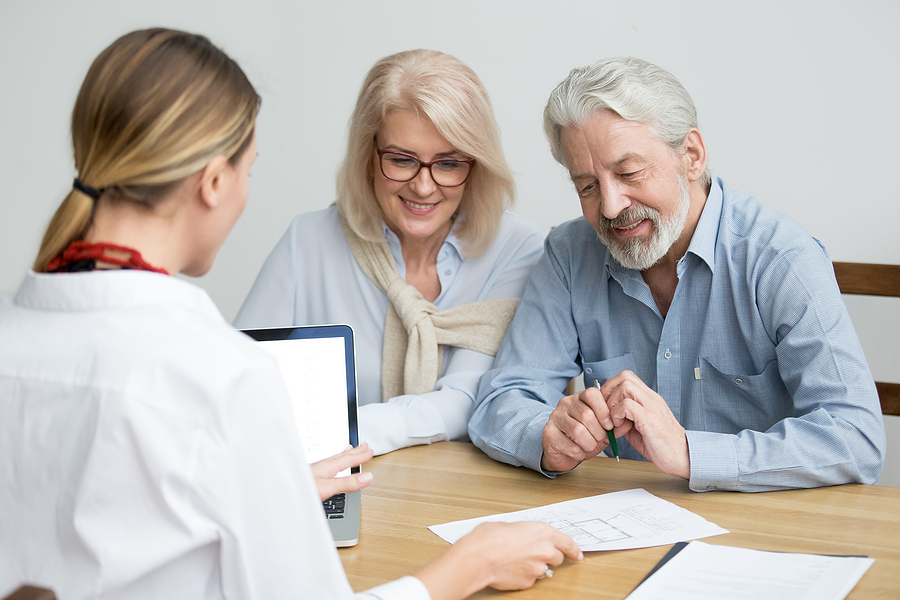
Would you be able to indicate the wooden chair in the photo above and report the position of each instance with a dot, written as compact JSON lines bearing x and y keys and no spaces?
{"x":30,"y":592}
{"x":873,"y":280}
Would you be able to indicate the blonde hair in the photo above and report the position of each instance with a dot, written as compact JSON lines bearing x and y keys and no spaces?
{"x":155,"y":107}
{"x":449,"y":93}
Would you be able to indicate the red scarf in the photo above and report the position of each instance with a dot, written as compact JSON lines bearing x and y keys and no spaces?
{"x":83,"y":251}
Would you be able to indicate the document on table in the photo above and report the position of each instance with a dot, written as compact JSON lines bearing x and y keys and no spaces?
{"x":727,"y":573}
{"x":616,"y":521}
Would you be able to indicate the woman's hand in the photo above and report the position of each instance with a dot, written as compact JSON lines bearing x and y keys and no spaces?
{"x":324,"y":472}
{"x":505,"y":556}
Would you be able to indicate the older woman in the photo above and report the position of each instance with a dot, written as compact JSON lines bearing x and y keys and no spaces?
{"x":147,"y":449}
{"x":418,"y":254}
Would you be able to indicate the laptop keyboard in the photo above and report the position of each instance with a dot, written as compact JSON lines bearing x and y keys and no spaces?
{"x":334,"y":506}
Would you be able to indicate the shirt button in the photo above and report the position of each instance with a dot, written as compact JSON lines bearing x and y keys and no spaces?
{"x":589,"y":370}
{"x":711,"y":488}
{"x":447,"y":272}
{"x":738,"y":381}
{"x":668,"y":355}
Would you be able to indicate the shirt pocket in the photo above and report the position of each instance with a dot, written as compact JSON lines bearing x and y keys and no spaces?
{"x":735,"y":399}
{"x":604,"y":369}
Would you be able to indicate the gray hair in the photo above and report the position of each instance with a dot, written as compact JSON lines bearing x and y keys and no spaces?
{"x":634,"y":89}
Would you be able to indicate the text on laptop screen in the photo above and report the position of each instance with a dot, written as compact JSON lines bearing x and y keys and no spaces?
{"x":314,"y":372}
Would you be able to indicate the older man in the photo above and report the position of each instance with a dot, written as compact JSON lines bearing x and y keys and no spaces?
{"x":711,"y":324}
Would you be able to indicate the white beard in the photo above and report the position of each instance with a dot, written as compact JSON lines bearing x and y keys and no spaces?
{"x":639,"y":254}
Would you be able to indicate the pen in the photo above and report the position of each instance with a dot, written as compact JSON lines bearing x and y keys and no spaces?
{"x":609,"y":433}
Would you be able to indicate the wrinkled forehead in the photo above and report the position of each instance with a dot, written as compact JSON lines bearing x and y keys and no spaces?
{"x":606,"y":137}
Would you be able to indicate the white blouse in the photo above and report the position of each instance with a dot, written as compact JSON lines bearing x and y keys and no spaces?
{"x":147,"y":450}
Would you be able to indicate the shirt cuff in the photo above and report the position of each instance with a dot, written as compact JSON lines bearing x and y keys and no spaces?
{"x":405,"y":588}
{"x":532,"y":443}
{"x":401,"y":422}
{"x":714,"y":463}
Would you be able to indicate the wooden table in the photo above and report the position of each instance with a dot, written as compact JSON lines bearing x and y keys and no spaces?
{"x":428,"y":485}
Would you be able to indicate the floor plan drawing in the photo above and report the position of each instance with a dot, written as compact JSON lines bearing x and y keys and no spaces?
{"x":616,"y":521}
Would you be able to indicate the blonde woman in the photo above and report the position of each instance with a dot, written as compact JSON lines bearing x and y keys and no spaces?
{"x":147,"y":450}
{"x":418,"y":254}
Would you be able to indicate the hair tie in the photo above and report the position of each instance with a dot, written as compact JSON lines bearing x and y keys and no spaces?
{"x":86,"y":189}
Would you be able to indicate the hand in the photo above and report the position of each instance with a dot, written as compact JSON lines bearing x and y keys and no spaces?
{"x":505,"y":556}
{"x":518,"y":554}
{"x":646,"y":421}
{"x":576,"y":430}
{"x":324,"y":472}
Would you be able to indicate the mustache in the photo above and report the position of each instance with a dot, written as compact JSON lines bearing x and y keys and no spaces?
{"x":630,"y":215}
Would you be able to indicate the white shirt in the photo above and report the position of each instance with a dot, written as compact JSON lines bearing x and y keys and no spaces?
{"x":312,"y":278}
{"x":147,"y":450}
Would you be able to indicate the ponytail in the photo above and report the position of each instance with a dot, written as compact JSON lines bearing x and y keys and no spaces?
{"x":70,"y":223}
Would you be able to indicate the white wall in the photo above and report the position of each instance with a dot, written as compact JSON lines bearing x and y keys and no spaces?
{"x":797,"y":101}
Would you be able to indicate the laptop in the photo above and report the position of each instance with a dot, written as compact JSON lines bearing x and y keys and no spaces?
{"x":319,"y":369}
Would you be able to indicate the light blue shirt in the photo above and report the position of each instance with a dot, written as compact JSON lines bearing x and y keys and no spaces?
{"x":312,"y":278}
{"x":756,"y":358}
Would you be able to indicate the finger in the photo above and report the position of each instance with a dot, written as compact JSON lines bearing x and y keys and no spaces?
{"x":567,"y":546}
{"x":591,"y":441}
{"x":559,"y":443}
{"x":594,"y":398}
{"x":353,"y":457}
{"x":617,"y":379}
{"x":343,"y":485}
{"x":630,"y":414}
{"x":623,"y":425}
{"x":559,"y":452}
{"x":578,"y":421}
{"x":635,"y":390}
{"x":624,"y":384}
{"x":573,"y":439}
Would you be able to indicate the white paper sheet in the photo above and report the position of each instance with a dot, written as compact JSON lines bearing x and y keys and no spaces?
{"x":727,"y":573}
{"x":616,"y":521}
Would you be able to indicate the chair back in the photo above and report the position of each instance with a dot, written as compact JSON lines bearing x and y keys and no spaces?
{"x":873,"y":280}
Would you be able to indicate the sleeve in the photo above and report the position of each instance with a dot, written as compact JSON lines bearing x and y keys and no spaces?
{"x":255,"y":482}
{"x":405,"y":588}
{"x":836,"y":432}
{"x":439,"y":415}
{"x":271,"y":300}
{"x":443,"y":413}
{"x":537,"y":359}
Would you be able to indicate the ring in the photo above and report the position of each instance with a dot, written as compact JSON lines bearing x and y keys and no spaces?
{"x":548,"y":572}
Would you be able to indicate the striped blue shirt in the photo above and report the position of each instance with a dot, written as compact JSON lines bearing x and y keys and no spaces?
{"x":756,"y":357}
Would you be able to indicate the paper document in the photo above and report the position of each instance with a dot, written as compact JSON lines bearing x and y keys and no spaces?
{"x":725,"y":573}
{"x":616,"y":521}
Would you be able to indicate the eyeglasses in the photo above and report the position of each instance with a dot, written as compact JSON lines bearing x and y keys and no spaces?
{"x":446,"y":172}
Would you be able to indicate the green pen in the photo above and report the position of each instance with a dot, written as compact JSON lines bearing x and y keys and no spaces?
{"x":609,"y":433}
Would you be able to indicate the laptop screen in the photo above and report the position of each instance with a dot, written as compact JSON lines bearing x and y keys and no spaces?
{"x":317,"y":364}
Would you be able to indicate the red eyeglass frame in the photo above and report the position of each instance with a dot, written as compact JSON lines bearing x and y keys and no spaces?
{"x":382,"y":151}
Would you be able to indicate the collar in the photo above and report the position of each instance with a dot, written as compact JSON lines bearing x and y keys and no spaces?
{"x":452,"y":240}
{"x":112,"y":289}
{"x":703,"y":243}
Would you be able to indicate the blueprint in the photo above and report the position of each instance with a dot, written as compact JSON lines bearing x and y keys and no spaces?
{"x":616,"y":521}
